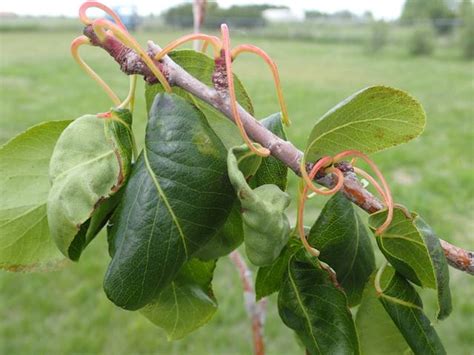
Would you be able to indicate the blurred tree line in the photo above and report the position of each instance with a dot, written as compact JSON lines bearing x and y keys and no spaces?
{"x":439,"y":17}
{"x":248,"y":16}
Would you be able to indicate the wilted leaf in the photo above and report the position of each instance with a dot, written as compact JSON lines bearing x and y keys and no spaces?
{"x":311,"y":305}
{"x":25,"y":242}
{"x":91,"y":162}
{"x":414,"y":251}
{"x":371,"y":120}
{"x":340,"y":235}
{"x":187,"y":303}
{"x":177,"y":198}
{"x":266,"y":227}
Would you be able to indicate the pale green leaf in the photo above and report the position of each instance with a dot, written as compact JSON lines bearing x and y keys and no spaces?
{"x":91,"y":162}
{"x":266,"y":227}
{"x":187,"y":303}
{"x":371,"y":120}
{"x":25,"y":242}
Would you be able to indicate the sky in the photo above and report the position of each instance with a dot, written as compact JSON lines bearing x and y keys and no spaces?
{"x":386,"y":9}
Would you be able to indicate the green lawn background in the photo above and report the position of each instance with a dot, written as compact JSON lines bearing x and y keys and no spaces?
{"x":66,"y":311}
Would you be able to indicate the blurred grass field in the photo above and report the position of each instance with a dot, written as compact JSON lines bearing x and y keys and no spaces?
{"x":66,"y":311}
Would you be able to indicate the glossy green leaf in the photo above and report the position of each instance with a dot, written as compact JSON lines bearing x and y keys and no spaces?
{"x":272,"y":170}
{"x":187,"y":303}
{"x":91,"y":162}
{"x":201,"y":67}
{"x":371,"y":120}
{"x":341,"y":237}
{"x":228,"y":238}
{"x":311,"y":305}
{"x":402,"y":303}
{"x":25,"y":242}
{"x":414,"y":251}
{"x":377,"y":332}
{"x":177,"y":198}
{"x":266,"y":227}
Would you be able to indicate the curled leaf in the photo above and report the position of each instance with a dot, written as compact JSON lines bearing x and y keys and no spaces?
{"x":265,"y":225}
{"x":90,"y":163}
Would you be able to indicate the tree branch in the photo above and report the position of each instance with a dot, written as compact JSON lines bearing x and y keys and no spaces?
{"x":131,"y":63}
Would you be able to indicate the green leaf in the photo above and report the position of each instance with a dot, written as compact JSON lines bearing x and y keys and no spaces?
{"x":269,"y":278}
{"x":177,"y":198}
{"x":377,"y":332}
{"x":341,"y":237}
{"x":25,"y":242}
{"x":402,"y":303}
{"x":311,"y":305}
{"x":91,"y":162}
{"x":414,"y":251}
{"x":228,"y":238}
{"x":371,"y":120}
{"x":272,"y":170}
{"x":201,"y":67}
{"x":187,"y":303}
{"x":266,"y":227}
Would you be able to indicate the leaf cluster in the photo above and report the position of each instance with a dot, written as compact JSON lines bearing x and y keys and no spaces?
{"x":194,"y":194}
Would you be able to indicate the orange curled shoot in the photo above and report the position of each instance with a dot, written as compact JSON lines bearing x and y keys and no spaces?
{"x":233,"y":100}
{"x":101,"y":26}
{"x":303,"y":195}
{"x":88,"y":4}
{"x":83,"y":40}
{"x":383,"y":190}
{"x":273,"y":67}
{"x":212,"y":40}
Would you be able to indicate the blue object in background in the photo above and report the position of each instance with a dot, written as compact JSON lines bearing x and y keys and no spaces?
{"x":129,"y":16}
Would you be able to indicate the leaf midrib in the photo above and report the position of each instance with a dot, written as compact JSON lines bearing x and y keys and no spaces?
{"x":356,"y":123}
{"x":111,"y":152}
{"x":300,"y":302}
{"x":165,"y":201}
